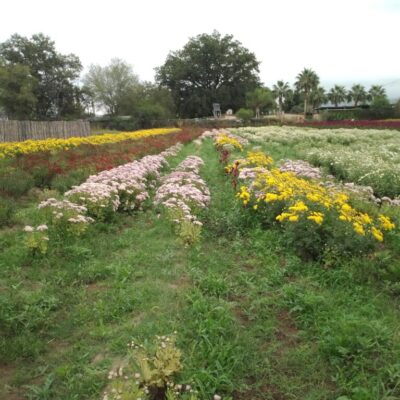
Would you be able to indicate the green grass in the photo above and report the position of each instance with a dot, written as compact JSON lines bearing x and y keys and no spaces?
{"x":253,"y":320}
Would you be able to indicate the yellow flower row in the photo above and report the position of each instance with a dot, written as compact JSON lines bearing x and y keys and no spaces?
{"x":305,"y":198}
{"x":11,"y":149}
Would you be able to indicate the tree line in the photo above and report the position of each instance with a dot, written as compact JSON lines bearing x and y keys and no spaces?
{"x":39,"y":83}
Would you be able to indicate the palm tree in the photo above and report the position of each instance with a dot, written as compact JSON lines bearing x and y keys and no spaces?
{"x":281,"y":92}
{"x":318,"y":96}
{"x":376,"y":91}
{"x":358,"y":94}
{"x":306,"y":81}
{"x":337,"y":95}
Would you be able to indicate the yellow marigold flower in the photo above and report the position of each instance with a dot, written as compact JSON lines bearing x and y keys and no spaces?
{"x":386,"y":223}
{"x":358,"y":228}
{"x":378,"y":235}
{"x":224,"y":140}
{"x":283,"y":216}
{"x":298,"y":206}
{"x":341,"y":198}
{"x":258,"y":159}
{"x":293,"y":218}
{"x":317,"y":217}
{"x":313,"y":197}
{"x":346,"y":208}
{"x":271,"y":197}
{"x":365,"y":219}
{"x":255,"y":207}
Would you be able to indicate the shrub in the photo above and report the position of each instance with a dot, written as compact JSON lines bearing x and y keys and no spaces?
{"x":150,"y":373}
{"x":15,"y":182}
{"x":7,"y":209}
{"x":245,"y":114}
{"x":64,"y":182}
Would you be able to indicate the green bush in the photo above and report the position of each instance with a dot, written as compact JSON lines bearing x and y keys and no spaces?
{"x":62,"y":183}
{"x":378,"y":110}
{"x":7,"y":209}
{"x":15,"y":182}
{"x":41,"y":176}
{"x":245,"y":114}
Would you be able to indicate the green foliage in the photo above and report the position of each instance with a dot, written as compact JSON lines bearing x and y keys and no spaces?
{"x":282,"y":93}
{"x":149,"y":373}
{"x":357,"y":94}
{"x":254,"y":320}
{"x":64,"y":182}
{"x":14,"y":181}
{"x":37,"y":241}
{"x":245,"y":114}
{"x":260,"y":99}
{"x":51,"y":76}
{"x":17,"y":87}
{"x":337,"y":95}
{"x":110,"y":86}
{"x":210,"y":68}
{"x":306,"y":82}
{"x":7,"y":210}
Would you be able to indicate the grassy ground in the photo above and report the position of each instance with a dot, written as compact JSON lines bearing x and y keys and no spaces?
{"x":253,"y":320}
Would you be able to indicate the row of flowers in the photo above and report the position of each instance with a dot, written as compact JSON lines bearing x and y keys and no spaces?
{"x":183,"y":194}
{"x":386,"y":124}
{"x":124,"y":188}
{"x":313,"y":213}
{"x":367,"y":157}
{"x":12,"y":149}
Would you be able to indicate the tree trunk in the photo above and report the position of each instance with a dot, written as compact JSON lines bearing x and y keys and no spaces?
{"x":305,"y":107}
{"x":257,"y":112}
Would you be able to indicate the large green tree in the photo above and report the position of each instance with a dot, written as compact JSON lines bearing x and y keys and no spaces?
{"x":306,"y":81}
{"x":337,"y":95}
{"x":55,"y":90}
{"x":17,"y":86}
{"x":155,"y":101}
{"x":111,"y":87}
{"x":210,"y":68}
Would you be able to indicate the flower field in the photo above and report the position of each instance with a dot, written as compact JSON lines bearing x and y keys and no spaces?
{"x":378,"y":124}
{"x":364,"y":157}
{"x":28,"y":175}
{"x":240,"y":264}
{"x":12,"y":149}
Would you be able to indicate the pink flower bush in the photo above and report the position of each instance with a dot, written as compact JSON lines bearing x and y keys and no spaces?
{"x":65,"y":216}
{"x":183,"y":193}
{"x":101,"y":200}
{"x":301,"y":168}
{"x":101,"y":195}
{"x":123,"y":187}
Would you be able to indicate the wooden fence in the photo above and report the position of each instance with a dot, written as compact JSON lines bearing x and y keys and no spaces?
{"x":17,"y":131}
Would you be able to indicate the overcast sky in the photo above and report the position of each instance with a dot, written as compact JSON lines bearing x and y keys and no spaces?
{"x":344,"y":41}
